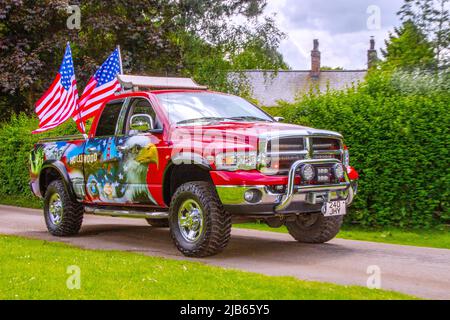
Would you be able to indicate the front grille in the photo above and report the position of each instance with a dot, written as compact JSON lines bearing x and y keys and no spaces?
{"x":325,"y":144}
{"x":291,"y":144}
{"x":326,"y":148}
{"x":282,"y":163}
{"x":281,"y":154}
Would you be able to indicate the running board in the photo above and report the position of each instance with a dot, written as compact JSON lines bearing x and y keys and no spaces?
{"x":126,"y":213}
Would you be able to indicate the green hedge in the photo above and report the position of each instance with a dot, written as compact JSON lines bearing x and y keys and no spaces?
{"x":16,"y":142}
{"x":398,"y":141}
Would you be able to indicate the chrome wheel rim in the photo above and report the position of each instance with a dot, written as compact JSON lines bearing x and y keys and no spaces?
{"x":55,"y":209}
{"x":190,"y":220}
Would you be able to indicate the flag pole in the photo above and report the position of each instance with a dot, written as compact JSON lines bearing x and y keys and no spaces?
{"x":120,"y":63}
{"x":82,"y":125}
{"x":120,"y":59}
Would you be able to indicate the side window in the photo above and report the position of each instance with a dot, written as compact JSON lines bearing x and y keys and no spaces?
{"x":108,"y":119}
{"x":142,"y":106}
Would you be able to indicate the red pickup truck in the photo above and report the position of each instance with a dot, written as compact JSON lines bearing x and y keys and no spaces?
{"x":181,"y":156}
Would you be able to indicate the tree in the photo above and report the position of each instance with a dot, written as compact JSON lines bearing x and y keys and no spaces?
{"x":158,"y":37}
{"x":28,"y":48}
{"x":408,"y":48}
{"x":34,"y":34}
{"x":212,"y":19}
{"x":443,"y":34}
{"x":432,"y":17}
{"x":214,"y":47}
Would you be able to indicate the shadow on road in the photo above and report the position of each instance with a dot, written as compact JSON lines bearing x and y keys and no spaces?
{"x":244,"y":244}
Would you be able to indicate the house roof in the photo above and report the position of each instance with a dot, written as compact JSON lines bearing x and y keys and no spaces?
{"x":268,"y":87}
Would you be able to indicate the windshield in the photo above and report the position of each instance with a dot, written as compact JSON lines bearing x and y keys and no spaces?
{"x":206,"y":107}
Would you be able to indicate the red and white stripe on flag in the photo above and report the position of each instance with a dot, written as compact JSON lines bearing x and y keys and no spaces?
{"x":94,"y":97}
{"x":60,"y":102}
{"x":101,"y":87}
{"x":56,"y":106}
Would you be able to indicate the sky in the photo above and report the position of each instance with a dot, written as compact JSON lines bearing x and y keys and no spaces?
{"x":343,"y":28}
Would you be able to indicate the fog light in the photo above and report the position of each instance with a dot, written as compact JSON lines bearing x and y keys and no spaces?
{"x":308,"y":172}
{"x":339,"y":171}
{"x":252,"y":196}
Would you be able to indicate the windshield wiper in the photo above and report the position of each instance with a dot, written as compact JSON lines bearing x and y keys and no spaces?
{"x":218,"y":119}
{"x":249,"y":118}
{"x":205,"y":119}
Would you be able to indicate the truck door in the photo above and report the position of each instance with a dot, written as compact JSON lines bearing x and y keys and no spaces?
{"x":139,"y":158}
{"x":105,"y":183}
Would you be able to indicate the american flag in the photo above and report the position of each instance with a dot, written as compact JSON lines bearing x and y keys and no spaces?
{"x":100,"y":87}
{"x":60,"y":101}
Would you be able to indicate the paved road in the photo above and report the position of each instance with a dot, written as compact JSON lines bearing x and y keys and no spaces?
{"x":423,"y":272}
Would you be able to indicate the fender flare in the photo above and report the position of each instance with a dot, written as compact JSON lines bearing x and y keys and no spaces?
{"x":62,"y":171}
{"x":186,"y":158}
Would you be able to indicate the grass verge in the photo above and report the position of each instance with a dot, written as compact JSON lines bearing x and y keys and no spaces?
{"x":438,"y":237}
{"x":36,"y":269}
{"x":433,"y":238}
{"x":21,"y":201}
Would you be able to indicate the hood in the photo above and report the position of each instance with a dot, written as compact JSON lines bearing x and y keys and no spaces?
{"x":257,"y":129}
{"x":229,"y":136}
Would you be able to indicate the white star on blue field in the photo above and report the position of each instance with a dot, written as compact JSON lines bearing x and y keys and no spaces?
{"x":66,"y":71}
{"x":109,"y":69}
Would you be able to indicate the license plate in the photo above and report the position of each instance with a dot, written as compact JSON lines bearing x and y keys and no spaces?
{"x":334,"y":208}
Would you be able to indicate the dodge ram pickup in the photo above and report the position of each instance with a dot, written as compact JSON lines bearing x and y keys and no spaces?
{"x":180,"y":156}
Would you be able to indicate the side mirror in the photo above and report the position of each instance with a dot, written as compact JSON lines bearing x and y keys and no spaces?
{"x":279,"y":119}
{"x":141,"y":123}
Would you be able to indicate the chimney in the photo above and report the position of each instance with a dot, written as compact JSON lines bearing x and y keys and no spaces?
{"x":372,"y":56}
{"x":315,"y":60}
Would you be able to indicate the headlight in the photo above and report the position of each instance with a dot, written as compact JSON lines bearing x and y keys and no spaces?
{"x":339,"y":171}
{"x":233,"y":161}
{"x":308,"y":172}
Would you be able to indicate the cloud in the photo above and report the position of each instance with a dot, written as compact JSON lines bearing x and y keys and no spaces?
{"x":338,"y":16}
{"x":340,"y":25}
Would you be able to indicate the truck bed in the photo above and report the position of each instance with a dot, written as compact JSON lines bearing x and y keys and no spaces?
{"x":62,"y":138}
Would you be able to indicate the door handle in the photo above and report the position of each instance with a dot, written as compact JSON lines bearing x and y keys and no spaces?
{"x":92,"y":149}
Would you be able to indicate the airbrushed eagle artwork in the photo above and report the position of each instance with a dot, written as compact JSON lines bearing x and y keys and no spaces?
{"x":112,"y":176}
{"x":122,"y":176}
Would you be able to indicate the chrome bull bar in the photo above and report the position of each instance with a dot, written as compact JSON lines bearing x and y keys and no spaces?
{"x":292,"y":188}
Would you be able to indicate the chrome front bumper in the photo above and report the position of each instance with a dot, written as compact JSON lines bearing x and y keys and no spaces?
{"x":297,"y":198}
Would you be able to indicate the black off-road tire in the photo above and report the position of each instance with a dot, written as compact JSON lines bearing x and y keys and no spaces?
{"x":158,"y":223}
{"x":217,"y":222}
{"x":322,"y":230}
{"x":72,"y":216}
